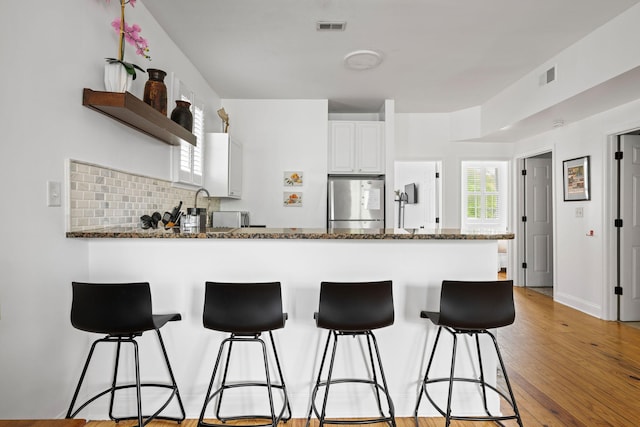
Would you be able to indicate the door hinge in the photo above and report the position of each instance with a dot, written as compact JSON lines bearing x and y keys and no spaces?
{"x":524,"y":172}
{"x":437,"y":174}
{"x":524,"y":265}
{"x":524,"y":219}
{"x":617,"y":223}
{"x":437,"y":220}
{"x":618,"y":290}
{"x":618,"y":155}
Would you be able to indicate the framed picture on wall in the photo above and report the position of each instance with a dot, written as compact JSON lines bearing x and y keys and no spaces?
{"x":292,"y":199}
{"x":293,"y":178}
{"x":576,"y":179}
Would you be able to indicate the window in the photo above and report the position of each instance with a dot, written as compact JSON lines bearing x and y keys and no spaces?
{"x":484,"y":193}
{"x":187,"y":159}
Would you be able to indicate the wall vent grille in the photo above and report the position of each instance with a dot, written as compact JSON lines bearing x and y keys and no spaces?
{"x":330,"y":26}
{"x":548,"y":76}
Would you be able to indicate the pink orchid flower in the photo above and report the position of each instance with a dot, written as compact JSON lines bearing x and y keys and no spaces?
{"x":130,"y":33}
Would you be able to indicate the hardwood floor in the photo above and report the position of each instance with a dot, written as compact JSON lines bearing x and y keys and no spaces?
{"x":570,"y":369}
{"x":42,"y":423}
{"x":566,"y":368}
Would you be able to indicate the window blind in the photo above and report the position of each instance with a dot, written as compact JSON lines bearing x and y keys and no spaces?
{"x":484,"y":195}
{"x":190,"y":156}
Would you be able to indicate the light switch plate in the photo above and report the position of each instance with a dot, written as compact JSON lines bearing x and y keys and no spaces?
{"x":54,"y":196}
{"x":579,"y":212}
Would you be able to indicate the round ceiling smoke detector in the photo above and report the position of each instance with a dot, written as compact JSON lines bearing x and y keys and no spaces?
{"x":362,"y":60}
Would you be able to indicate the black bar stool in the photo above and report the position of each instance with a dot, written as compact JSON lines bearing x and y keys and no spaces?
{"x":471,"y":308}
{"x":245,"y":310}
{"x":123,"y":312}
{"x":354,"y":309}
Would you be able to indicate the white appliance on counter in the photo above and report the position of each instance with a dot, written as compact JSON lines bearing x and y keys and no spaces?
{"x":222,"y":166}
{"x":233,"y":219}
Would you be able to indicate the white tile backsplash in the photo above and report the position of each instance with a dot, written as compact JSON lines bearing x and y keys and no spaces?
{"x":102,"y":197}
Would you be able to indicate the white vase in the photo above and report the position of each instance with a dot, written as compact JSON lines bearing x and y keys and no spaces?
{"x":116,"y":78}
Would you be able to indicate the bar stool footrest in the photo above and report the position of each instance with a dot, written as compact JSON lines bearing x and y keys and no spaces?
{"x":381,"y":419}
{"x":222,"y":424}
{"x":134,"y":417}
{"x":488,"y":417}
{"x":249,"y":417}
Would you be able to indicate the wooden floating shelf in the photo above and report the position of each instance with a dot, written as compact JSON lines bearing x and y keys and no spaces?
{"x":135,"y":113}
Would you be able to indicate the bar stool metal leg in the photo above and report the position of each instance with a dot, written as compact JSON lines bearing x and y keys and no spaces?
{"x":354,"y":309}
{"x":329,"y":376}
{"x":330,"y":380}
{"x":375,"y":377}
{"x":317,"y":385}
{"x":472,"y":308}
{"x":284,"y":387}
{"x":116,"y":365}
{"x":224,"y":381}
{"x":273,"y":416}
{"x":209,"y":396}
{"x":274,"y":420}
{"x":506,"y":380}
{"x":70,"y":412}
{"x":451,"y":377}
{"x":136,"y":357}
{"x":423,"y":385}
{"x":176,"y":391}
{"x":447,"y":412}
{"x":482,"y":382}
{"x":384,"y":382}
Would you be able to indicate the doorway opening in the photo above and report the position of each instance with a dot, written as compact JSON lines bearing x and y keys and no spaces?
{"x":419,"y":194}
{"x":535,"y":212}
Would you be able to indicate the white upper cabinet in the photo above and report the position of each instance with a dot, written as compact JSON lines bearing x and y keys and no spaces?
{"x":222,"y":166}
{"x":356,"y":147}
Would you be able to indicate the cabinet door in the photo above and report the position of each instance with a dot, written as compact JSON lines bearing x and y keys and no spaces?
{"x":369,"y":148}
{"x":342,"y":149}
{"x":235,"y":169}
{"x":223,"y":166}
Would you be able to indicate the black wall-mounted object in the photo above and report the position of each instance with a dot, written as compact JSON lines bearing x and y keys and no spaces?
{"x":411,"y":191}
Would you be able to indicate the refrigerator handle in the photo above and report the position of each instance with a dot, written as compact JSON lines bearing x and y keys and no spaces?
{"x":330,"y":213}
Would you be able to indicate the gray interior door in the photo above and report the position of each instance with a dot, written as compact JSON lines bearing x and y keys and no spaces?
{"x":630,"y":233}
{"x":539,"y":221}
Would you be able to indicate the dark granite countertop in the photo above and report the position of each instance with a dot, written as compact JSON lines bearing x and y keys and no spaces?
{"x":292,"y":233}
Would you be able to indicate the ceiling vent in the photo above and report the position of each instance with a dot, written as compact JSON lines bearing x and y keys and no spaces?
{"x":548,"y":76}
{"x":330,"y":26}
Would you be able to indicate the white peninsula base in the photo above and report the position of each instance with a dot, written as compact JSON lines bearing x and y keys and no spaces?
{"x":178,"y":268}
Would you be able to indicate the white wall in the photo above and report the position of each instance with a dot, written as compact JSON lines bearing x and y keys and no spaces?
{"x":57,"y":49}
{"x":606,"y":53}
{"x":427,"y":137}
{"x":279,"y":136}
{"x":582,"y":279}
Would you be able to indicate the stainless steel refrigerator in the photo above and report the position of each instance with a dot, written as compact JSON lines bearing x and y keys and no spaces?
{"x":355,"y":202}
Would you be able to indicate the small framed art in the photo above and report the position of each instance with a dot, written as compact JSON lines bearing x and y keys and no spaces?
{"x":293,"y":179}
{"x":576,"y":179}
{"x":292,"y":199}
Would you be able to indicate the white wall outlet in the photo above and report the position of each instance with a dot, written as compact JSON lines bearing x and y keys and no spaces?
{"x":579,"y":212}
{"x":54,"y":193}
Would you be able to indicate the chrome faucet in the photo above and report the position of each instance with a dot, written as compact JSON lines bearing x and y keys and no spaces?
{"x":195,"y":203}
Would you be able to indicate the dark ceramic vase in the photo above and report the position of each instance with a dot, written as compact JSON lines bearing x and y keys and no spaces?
{"x":182,"y":115}
{"x":155,"y":91}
